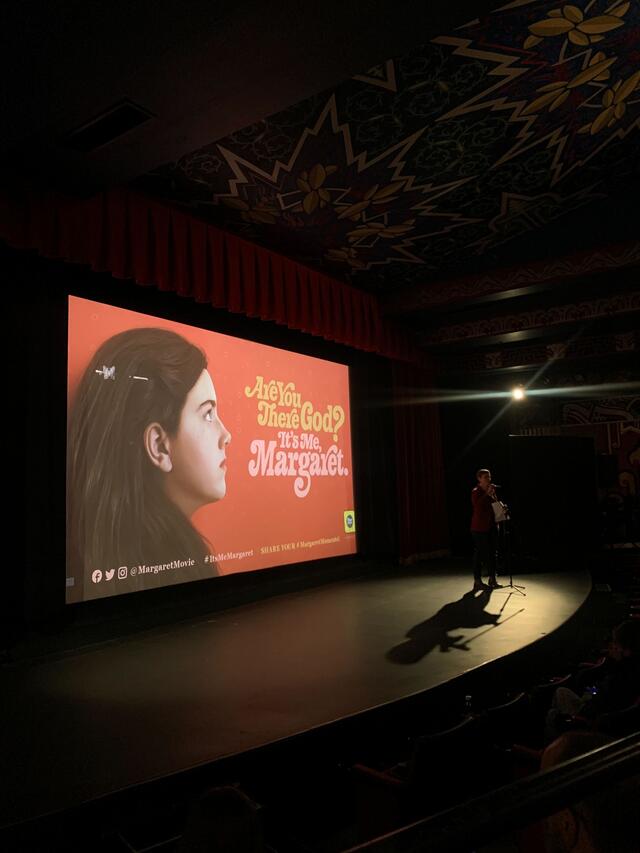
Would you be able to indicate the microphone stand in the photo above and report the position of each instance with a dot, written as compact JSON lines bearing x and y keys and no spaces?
{"x":504,"y":544}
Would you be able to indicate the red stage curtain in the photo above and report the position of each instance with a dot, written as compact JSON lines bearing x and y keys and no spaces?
{"x":134,"y":237}
{"x":422,"y":513}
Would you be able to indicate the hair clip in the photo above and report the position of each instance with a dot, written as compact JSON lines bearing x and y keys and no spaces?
{"x":144,"y":378}
{"x":107,"y":372}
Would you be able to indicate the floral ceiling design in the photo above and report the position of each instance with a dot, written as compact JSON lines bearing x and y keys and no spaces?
{"x":438,"y":158}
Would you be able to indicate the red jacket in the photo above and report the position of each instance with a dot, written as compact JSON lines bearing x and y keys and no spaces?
{"x":482,"y":519}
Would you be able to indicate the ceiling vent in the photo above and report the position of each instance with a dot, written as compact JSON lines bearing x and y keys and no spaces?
{"x":111,"y":125}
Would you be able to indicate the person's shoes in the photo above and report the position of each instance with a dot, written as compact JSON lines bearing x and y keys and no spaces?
{"x":477,"y":584}
{"x":493,"y":584}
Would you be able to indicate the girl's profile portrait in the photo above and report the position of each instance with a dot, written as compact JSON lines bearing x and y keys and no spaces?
{"x":146,"y":449}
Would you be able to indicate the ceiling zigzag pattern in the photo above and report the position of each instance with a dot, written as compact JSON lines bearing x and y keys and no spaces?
{"x":438,"y":157}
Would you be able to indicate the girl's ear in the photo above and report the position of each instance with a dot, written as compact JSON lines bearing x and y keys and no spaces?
{"x":158,"y":447}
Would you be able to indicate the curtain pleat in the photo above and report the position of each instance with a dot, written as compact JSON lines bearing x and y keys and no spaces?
{"x":423,"y":526}
{"x":134,"y":237}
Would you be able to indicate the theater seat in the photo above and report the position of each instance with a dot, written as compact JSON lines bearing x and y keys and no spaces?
{"x":445,"y":768}
{"x":541,"y":695}
{"x":510,"y":721}
{"x":620,"y":723}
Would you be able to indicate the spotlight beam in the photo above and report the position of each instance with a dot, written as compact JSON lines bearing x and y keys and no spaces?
{"x":458,"y":396}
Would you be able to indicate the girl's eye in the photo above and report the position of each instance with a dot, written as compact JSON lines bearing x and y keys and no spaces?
{"x":209,"y":415}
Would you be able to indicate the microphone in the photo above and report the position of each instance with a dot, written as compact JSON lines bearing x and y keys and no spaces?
{"x":496,"y":485}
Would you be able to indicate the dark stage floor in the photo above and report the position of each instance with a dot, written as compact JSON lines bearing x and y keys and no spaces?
{"x":93,"y":722}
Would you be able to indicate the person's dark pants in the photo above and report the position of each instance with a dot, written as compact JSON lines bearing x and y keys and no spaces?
{"x":484,"y":554}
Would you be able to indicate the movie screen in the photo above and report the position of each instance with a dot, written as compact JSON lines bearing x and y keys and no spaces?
{"x":192,"y":454}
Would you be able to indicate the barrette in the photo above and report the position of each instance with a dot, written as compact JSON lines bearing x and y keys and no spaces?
{"x":107,"y":372}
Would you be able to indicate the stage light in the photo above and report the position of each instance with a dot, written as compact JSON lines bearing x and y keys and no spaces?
{"x":518,"y":393}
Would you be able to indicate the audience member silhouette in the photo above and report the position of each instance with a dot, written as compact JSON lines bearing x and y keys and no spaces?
{"x":606,"y":821}
{"x":618,"y":689}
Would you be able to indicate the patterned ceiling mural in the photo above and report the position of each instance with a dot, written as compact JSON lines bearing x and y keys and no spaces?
{"x":440,"y":158}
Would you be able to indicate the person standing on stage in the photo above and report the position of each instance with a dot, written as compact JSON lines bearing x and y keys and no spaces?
{"x":483,"y":529}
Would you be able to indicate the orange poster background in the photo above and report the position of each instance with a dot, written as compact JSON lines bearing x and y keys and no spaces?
{"x":257,"y":512}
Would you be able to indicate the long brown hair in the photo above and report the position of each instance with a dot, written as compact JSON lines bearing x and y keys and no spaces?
{"x":117,"y":510}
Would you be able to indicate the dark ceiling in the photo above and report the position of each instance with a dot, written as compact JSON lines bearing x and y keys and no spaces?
{"x":476,"y":167}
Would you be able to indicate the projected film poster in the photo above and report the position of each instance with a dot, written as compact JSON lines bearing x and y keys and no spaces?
{"x":192,"y":454}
